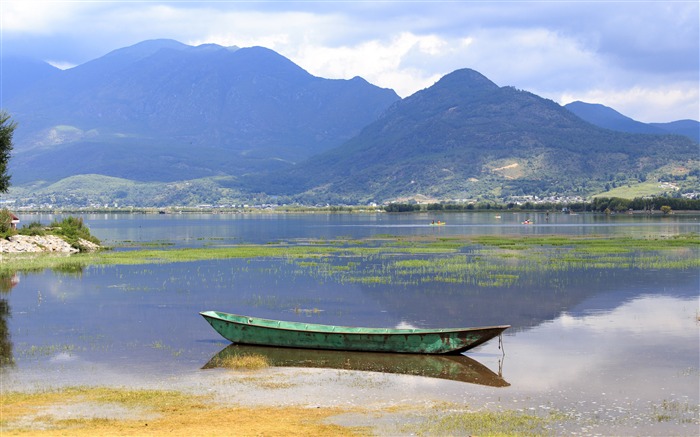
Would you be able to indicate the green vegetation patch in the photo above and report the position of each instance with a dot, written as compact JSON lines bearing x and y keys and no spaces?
{"x":676,"y":412}
{"x":242,"y":362}
{"x":598,"y":244}
{"x":484,"y":261}
{"x":24,"y":262}
{"x":484,"y":423}
{"x":127,"y":397}
{"x":636,"y":190}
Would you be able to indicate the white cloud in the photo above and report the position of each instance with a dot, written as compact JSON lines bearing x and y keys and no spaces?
{"x":31,"y":17}
{"x":675,"y":101}
{"x":407,"y":62}
{"x":379,"y":62}
{"x":661,"y":315}
{"x":60,"y":64}
{"x":580,"y":346}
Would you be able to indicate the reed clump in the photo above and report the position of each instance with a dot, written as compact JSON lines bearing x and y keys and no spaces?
{"x":243,"y":362}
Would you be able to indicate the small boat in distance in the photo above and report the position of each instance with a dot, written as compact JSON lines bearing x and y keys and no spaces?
{"x":527,"y":222}
{"x":265,"y":332}
{"x":438,"y":223}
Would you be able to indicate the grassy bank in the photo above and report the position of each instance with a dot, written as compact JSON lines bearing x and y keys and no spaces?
{"x":100,"y":411}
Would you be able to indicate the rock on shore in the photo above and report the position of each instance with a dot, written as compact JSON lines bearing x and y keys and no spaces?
{"x":45,"y":243}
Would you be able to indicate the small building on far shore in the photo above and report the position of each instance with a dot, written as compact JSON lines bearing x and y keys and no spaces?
{"x":14,"y":221}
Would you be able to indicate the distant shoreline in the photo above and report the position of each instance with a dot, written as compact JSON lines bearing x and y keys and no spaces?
{"x":319,"y":210}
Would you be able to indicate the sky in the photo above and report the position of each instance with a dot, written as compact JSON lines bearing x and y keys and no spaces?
{"x":642,"y":58}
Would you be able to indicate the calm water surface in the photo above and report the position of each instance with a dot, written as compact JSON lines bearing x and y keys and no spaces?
{"x":221,"y":229}
{"x":613,"y":346}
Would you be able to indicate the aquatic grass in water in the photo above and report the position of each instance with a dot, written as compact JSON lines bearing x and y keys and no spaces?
{"x":161,"y":346}
{"x":242,"y":362}
{"x":676,"y":411}
{"x":598,"y":242}
{"x":489,"y":261}
{"x":34,"y":352}
{"x":495,"y":267}
{"x":263,"y":301}
{"x":134,"y":257}
{"x":505,"y":423}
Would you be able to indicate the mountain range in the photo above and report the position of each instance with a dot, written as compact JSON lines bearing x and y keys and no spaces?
{"x":162,"y":123}
{"x":165,"y":111}
{"x":466,"y":137}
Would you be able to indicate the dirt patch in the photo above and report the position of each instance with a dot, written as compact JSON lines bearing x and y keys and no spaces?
{"x":505,"y":167}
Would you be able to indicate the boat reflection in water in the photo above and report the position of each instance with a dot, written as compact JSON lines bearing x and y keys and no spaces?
{"x":453,"y":367}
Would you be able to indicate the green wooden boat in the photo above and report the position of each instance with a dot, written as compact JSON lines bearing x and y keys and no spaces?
{"x":264,"y":332}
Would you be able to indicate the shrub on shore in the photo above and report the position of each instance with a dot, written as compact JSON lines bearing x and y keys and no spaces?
{"x":33,"y":229}
{"x":6,"y":229}
{"x":72,"y":229}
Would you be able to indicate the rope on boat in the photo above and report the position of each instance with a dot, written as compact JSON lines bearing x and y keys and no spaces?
{"x":503,"y":357}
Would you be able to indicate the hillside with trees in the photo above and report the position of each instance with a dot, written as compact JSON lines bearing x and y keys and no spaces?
{"x":164,"y":111}
{"x":465,"y":138}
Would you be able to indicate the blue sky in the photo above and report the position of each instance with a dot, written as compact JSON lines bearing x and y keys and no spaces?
{"x":641,"y":58}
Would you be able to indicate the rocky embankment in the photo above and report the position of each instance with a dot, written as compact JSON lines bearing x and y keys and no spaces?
{"x":44,"y":243}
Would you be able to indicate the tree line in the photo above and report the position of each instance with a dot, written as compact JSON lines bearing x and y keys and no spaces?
{"x":598,"y":204}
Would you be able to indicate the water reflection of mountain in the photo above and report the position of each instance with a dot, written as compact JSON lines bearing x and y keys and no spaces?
{"x":541,"y":300}
{"x":453,"y":367}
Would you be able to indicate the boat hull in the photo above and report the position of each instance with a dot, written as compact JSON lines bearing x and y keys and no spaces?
{"x":256,"y":331}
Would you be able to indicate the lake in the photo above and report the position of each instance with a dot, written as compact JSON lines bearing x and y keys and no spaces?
{"x":620,"y":347}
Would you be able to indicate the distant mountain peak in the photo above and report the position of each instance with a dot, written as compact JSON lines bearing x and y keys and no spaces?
{"x":259,"y":53}
{"x":128,"y":55}
{"x":455,"y":87}
{"x":466,"y":78}
{"x":608,"y":118}
{"x":148,"y":47}
{"x":211,"y":47}
{"x":595,"y":108}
